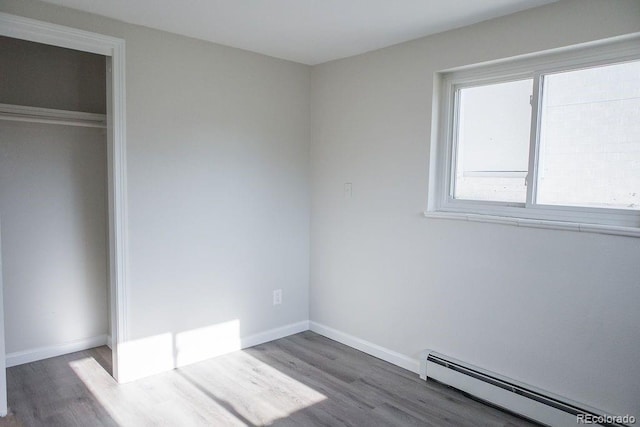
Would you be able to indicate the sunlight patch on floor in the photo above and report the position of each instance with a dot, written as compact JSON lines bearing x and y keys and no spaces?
{"x":204,"y":343}
{"x":233,"y":388}
{"x":252,"y":390}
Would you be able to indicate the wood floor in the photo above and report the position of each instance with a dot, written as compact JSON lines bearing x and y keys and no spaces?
{"x":301,"y":380}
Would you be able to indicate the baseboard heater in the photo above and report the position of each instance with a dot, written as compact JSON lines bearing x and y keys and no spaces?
{"x":522,"y":399}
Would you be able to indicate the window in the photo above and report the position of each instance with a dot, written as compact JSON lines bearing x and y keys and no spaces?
{"x":553,"y":138}
{"x":492,"y":136}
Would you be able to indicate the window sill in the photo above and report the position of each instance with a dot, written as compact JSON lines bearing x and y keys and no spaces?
{"x":537,"y":223}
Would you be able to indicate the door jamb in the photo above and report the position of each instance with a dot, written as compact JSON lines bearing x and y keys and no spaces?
{"x":114,"y":49}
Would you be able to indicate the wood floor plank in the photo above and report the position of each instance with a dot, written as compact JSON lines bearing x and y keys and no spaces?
{"x":301,"y":380}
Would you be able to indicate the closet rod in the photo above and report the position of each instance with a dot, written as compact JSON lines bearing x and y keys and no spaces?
{"x":23,"y":113}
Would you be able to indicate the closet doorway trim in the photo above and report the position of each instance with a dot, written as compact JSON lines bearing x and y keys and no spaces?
{"x":114,"y":49}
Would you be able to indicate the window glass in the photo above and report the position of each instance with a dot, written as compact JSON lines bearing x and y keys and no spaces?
{"x":493,"y":133}
{"x":590,"y":138}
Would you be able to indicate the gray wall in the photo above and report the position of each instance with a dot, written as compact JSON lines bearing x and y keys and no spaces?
{"x":218,"y":191}
{"x":554,"y":309}
{"x":52,"y":200}
{"x":54,"y":237}
{"x":45,"y":76}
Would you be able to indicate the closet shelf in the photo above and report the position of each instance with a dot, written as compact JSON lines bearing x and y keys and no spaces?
{"x":22,"y":113}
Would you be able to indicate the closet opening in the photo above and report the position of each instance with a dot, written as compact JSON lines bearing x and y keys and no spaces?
{"x":54,"y":203}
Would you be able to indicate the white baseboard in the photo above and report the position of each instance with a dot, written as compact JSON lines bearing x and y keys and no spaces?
{"x":274,"y":334}
{"x":401,"y":360}
{"x":156,"y":354}
{"x":33,"y":355}
{"x":375,"y":350}
{"x":109,"y":344}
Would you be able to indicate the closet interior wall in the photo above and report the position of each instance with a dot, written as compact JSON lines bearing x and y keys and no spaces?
{"x":53,"y":199}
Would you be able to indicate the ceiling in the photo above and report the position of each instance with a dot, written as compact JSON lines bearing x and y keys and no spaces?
{"x":305,"y":31}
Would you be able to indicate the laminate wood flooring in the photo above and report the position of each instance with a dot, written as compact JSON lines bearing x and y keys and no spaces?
{"x":302,"y":380}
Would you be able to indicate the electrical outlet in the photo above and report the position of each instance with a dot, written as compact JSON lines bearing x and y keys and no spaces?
{"x":277,"y":297}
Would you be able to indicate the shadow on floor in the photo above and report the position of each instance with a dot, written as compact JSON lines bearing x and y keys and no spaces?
{"x":301,"y":380}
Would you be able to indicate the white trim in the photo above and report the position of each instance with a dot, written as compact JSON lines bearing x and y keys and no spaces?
{"x":536,"y":223}
{"x":116,"y":122}
{"x":370,"y":348}
{"x":24,"y":113}
{"x":33,"y":30}
{"x":114,"y":48}
{"x":109,"y":342}
{"x":3,"y":371}
{"x":274,"y":334}
{"x":41,"y":353}
{"x":443,"y":141}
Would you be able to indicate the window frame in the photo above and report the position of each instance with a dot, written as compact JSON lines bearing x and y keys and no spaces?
{"x":447,"y":85}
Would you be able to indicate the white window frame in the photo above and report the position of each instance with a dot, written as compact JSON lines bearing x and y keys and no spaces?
{"x":442,"y":204}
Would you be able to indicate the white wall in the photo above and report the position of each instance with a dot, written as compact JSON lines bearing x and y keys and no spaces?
{"x":218,"y":208}
{"x":555,"y":309}
{"x":218,"y":192}
{"x":52,"y":201}
{"x":54,"y":249}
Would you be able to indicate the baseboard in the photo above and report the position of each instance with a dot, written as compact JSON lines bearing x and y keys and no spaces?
{"x":109,"y":343}
{"x":33,"y":355}
{"x":156,"y":354}
{"x":375,"y":350}
{"x":274,"y":334}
